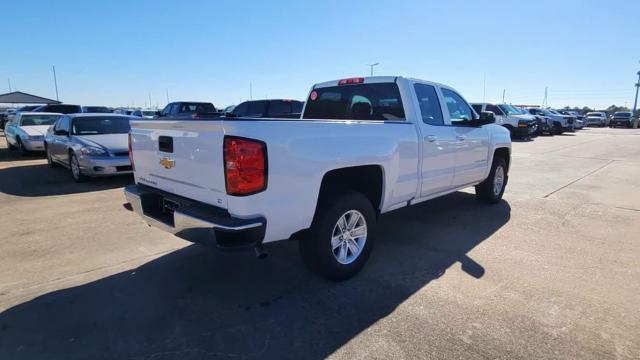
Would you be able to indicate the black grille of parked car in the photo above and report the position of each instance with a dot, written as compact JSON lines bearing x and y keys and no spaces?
{"x":124,"y":168}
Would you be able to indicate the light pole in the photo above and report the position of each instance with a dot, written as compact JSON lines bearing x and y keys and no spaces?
{"x":55,"y":82}
{"x":372,"y":65}
{"x":635,"y":103}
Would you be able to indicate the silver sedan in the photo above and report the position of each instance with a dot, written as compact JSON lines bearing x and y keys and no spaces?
{"x":90,"y":145}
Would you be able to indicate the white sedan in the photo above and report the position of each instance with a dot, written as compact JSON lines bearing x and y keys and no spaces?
{"x":27,"y":130}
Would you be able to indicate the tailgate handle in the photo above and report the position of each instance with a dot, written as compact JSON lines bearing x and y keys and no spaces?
{"x":165,"y":144}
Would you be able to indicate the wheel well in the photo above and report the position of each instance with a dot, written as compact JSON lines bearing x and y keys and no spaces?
{"x":503,"y":153}
{"x":367,"y":179}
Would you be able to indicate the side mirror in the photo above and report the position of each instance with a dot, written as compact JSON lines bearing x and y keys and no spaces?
{"x":486,"y":117}
{"x":159,"y":113}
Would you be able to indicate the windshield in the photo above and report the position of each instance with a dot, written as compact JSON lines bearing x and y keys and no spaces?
{"x":379,"y":101}
{"x":509,"y":110}
{"x":97,"y":109}
{"x":594,"y":114}
{"x":624,"y":114}
{"x":98,"y":125}
{"x":148,"y":113}
{"x":35,"y":120}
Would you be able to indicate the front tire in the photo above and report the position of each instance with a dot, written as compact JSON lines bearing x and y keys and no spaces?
{"x":50,"y":162}
{"x":21,"y":149}
{"x":341,"y":237}
{"x":74,"y":167}
{"x":490,"y":191}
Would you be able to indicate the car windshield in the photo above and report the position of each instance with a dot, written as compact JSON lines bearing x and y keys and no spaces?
{"x":594,"y":114}
{"x":379,"y":101}
{"x":624,"y":114}
{"x":148,"y":113}
{"x":98,"y":125}
{"x":509,"y":110}
{"x":35,"y":120}
{"x":97,"y":109}
{"x":63,"y":109}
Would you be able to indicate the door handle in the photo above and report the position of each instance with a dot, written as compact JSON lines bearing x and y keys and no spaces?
{"x":431,"y":138}
{"x":461,"y":138}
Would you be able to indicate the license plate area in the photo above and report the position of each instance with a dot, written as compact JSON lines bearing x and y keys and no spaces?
{"x":169,"y":206}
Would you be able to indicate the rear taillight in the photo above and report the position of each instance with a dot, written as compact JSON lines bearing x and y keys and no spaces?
{"x":245,"y":165}
{"x":131,"y":154}
{"x":350,"y":81}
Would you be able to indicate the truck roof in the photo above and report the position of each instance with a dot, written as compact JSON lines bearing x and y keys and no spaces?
{"x":376,"y":79}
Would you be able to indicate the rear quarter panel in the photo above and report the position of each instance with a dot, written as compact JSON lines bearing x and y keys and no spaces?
{"x":300,"y":152}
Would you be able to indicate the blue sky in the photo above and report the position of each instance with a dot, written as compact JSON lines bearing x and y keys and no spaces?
{"x":118,"y":53}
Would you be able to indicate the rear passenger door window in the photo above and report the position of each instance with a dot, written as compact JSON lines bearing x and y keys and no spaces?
{"x":430,"y":108}
{"x":257,"y":108}
{"x":458,"y":109}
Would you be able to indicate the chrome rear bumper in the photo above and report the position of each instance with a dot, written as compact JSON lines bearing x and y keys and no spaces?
{"x":192,"y":220}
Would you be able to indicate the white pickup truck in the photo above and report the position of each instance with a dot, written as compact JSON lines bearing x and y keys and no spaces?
{"x":363,"y":147}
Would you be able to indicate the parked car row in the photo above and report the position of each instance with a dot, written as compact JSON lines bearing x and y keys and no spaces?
{"x":88,"y":144}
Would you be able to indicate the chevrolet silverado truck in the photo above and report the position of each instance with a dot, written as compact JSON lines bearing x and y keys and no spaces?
{"x":363,"y":147}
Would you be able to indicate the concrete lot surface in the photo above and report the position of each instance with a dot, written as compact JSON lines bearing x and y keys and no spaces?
{"x":551,"y":272}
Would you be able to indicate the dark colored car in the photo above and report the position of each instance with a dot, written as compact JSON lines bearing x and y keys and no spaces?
{"x":621,"y":118}
{"x":189,"y":110}
{"x":59,"y":108}
{"x":276,"y":108}
{"x":96,"y":109}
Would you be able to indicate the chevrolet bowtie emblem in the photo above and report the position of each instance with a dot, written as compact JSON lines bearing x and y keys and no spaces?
{"x":167,"y":163}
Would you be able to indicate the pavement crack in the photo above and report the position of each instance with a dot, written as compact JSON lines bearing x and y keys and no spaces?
{"x":580,"y":178}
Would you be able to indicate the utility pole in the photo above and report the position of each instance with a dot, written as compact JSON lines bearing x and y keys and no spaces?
{"x":149,"y":100}
{"x":372,"y":65}
{"x":9,"y":81}
{"x":544,"y":101}
{"x":635,"y":103}
{"x":55,"y":82}
{"x":503,"y":91}
{"x":167,"y":95}
{"x":250,"y":91}
{"x":484,"y":87}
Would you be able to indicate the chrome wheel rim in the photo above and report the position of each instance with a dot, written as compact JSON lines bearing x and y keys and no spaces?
{"x":349,"y":237}
{"x":75,"y":167}
{"x":498,"y":181}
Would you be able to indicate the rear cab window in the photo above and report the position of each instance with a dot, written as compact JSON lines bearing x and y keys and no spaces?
{"x":375,"y":101}
{"x":196,"y":108}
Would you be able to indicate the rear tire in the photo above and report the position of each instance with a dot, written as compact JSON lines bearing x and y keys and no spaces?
{"x":490,"y":191}
{"x":341,"y":237}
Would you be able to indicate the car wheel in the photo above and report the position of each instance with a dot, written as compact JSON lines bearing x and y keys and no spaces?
{"x":9,"y":146}
{"x":341,"y":237}
{"x":20,"y":146}
{"x":490,"y":191}
{"x":50,"y":162}
{"x":74,"y":167}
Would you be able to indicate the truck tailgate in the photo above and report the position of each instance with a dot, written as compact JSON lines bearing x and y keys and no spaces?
{"x":181,"y":157}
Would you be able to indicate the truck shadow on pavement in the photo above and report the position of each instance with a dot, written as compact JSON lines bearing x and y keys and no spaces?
{"x":40,"y":180}
{"x":198,"y":303}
